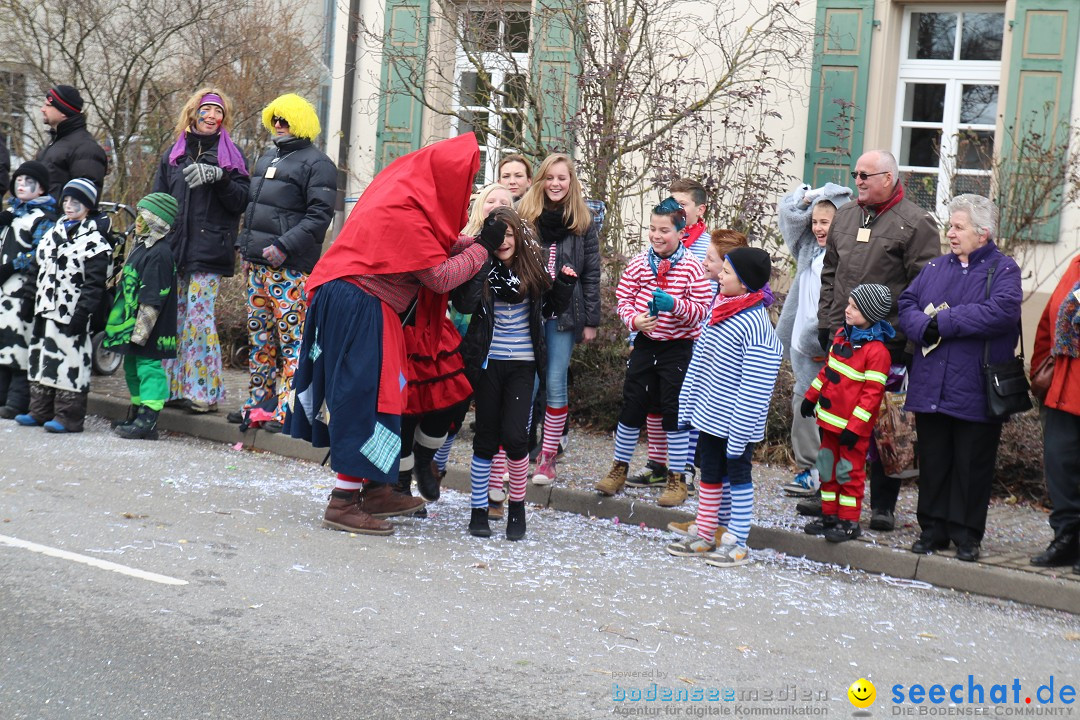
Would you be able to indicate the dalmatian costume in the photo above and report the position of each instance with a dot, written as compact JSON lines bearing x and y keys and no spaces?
{"x":18,"y":240}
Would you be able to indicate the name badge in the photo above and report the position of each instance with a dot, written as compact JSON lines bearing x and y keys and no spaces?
{"x":863,"y":236}
{"x":272,"y":171}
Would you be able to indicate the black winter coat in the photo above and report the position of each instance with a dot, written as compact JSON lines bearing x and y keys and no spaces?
{"x":293,"y":208}
{"x":203,"y":238}
{"x":5,"y":167}
{"x":475,"y":297}
{"x":581,"y":252}
{"x":73,"y":153}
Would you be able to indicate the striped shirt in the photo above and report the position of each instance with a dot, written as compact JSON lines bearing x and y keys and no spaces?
{"x":730,"y":380}
{"x":398,"y":290}
{"x":510,"y":339}
{"x":685,"y":282}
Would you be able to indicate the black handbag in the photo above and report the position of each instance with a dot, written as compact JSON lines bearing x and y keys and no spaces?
{"x":1006,"y":383}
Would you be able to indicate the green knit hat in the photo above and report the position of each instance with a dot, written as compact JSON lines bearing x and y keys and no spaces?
{"x":161,"y":204}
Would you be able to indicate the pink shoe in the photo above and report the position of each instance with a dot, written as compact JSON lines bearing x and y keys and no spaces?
{"x":545,"y":469}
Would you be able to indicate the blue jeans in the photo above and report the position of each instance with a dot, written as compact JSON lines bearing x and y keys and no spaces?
{"x":560,"y":344}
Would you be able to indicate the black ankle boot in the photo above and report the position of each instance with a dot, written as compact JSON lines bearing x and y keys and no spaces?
{"x":427,"y":479}
{"x":133,"y":410}
{"x":404,"y":486}
{"x":478,"y":523}
{"x":515,"y":520}
{"x":143,"y":427}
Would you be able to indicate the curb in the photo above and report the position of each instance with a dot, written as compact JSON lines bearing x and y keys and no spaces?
{"x":978,"y":578}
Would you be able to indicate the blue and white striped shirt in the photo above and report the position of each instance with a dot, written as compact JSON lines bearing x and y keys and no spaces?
{"x":730,"y":380}
{"x":510,"y":339}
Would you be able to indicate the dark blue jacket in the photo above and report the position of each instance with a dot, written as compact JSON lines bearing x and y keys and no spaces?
{"x":950,"y":379}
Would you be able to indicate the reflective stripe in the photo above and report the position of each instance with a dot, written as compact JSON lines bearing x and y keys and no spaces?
{"x":845,"y":370}
{"x":833,"y":420}
{"x":816,"y":384}
{"x":861,"y":414}
{"x":847,"y":501}
{"x":828,"y":496}
{"x":877,"y":377}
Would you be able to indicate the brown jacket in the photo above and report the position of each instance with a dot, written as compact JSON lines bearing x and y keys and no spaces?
{"x":1064,"y":392}
{"x":902,"y":240}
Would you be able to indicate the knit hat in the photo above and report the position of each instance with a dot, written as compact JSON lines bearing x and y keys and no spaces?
{"x":752,"y":266}
{"x":874,"y":301}
{"x":83,"y":190}
{"x":35,"y":170}
{"x":161,"y":204}
{"x":66,"y":99}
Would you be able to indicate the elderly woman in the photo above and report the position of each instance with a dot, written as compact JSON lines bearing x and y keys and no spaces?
{"x":1058,"y":337}
{"x":208,"y":176}
{"x":960,"y":303}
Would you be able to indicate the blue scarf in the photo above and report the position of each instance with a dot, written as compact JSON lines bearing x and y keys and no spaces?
{"x":21,"y":207}
{"x":881,"y":330}
{"x":659,"y":265}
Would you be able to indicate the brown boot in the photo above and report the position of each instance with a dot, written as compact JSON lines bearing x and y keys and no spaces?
{"x":674,"y":492}
{"x":379,"y":500}
{"x":344,"y":513}
{"x":615,"y":479}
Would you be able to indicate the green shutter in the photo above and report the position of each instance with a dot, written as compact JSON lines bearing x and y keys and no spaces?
{"x":841,"y":71}
{"x":1041,"y":71}
{"x":554,"y":68}
{"x":400,"y":113}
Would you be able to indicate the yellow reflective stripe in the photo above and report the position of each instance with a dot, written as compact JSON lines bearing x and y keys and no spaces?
{"x":816,"y":384}
{"x":861,"y":414}
{"x":877,"y":377}
{"x":845,"y":370}
{"x":846,"y":500}
{"x":833,"y":420}
{"x":828,"y":496}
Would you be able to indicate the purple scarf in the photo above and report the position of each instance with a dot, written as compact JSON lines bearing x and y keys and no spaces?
{"x":228,"y":155}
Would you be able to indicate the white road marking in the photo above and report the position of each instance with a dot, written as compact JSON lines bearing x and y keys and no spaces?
{"x":92,"y":561}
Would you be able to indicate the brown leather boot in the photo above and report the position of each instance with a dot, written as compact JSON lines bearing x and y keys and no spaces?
{"x":344,"y":513}
{"x":379,"y":500}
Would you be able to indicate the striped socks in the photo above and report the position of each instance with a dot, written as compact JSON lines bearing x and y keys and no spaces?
{"x":654,"y":430}
{"x":742,"y":506}
{"x":443,"y":453}
{"x":677,"y":441}
{"x":625,"y":441}
{"x":519,"y":475}
{"x":348,"y":482}
{"x":708,"y":502}
{"x":723,"y":515}
{"x":554,"y":422}
{"x":480,"y":475}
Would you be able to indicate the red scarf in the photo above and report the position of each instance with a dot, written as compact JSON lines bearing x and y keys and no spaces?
{"x":725,"y":306}
{"x":692,"y":233}
{"x":879,"y":209}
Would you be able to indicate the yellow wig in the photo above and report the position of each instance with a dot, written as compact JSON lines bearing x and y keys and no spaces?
{"x":303,"y":121}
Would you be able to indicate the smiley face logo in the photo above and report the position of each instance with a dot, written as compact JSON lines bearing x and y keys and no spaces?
{"x":862,"y":693}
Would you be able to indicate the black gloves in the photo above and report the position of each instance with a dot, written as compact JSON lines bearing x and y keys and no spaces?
{"x":566,"y":279}
{"x":492,"y":234}
{"x":807,"y":408}
{"x":931,"y":334}
{"x":6,"y":217}
{"x":824,"y":338}
{"x":848,"y":439}
{"x":77,"y":326}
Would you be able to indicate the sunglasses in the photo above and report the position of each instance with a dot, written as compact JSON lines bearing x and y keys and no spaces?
{"x":860,"y":175}
{"x":278,"y":120}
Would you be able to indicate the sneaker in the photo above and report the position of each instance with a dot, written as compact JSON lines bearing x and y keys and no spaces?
{"x":653,"y":475}
{"x":689,"y":529}
{"x":545,"y":470}
{"x":820,"y":526}
{"x":344,"y":513}
{"x":691,"y":547}
{"x":613,"y":482}
{"x":178,"y":403}
{"x":674,"y":492}
{"x":690,"y":474}
{"x":805,"y":484}
{"x":198,"y":407}
{"x":843,"y":531}
{"x":883,"y":520}
{"x":729,"y":554}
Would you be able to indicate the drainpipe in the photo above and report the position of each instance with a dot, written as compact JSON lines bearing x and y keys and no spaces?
{"x":345,"y":142}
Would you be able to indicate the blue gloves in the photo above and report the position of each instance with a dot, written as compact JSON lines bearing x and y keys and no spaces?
{"x":661,"y":302}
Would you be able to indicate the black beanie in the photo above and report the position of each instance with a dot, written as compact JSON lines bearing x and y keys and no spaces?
{"x":752,"y":265}
{"x":874,"y":301}
{"x":66,"y":99}
{"x":36,"y":170}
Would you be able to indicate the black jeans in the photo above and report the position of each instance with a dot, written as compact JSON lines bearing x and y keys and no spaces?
{"x":655,"y":372}
{"x":503,"y":395}
{"x":1061,"y":462}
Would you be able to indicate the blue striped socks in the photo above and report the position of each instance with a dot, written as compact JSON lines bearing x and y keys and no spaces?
{"x":677,"y":443}
{"x":480,"y":476}
{"x":742,"y":507}
{"x":443,"y":453}
{"x":625,"y":441}
{"x":723,"y":515}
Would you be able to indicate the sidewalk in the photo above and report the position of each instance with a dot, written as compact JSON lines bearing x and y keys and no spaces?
{"x":1014,"y":532}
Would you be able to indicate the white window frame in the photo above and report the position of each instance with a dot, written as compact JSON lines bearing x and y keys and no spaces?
{"x":500,"y":68}
{"x":953,"y":74}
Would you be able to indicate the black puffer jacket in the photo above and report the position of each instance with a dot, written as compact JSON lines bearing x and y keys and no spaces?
{"x":5,"y":166}
{"x":203,"y":238}
{"x":293,"y":208}
{"x":73,"y":153}
{"x":475,"y":297}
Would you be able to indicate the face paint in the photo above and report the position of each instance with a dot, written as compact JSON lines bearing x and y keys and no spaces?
{"x":140,"y":226}
{"x":27,"y":188}
{"x":73,"y":209}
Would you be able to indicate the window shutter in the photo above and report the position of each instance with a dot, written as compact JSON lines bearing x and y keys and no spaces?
{"x":1041,"y":71}
{"x":840,"y":73}
{"x":554,"y":67}
{"x":400,"y":113}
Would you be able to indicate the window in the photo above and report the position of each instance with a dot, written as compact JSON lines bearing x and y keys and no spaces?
{"x":947,"y":101}
{"x":13,"y":110}
{"x":490,"y":75}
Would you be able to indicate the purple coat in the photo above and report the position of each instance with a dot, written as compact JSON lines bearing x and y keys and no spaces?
{"x":950,"y":379}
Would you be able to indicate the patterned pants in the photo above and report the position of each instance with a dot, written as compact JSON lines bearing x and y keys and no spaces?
{"x":195,"y":374}
{"x":276,"y":308}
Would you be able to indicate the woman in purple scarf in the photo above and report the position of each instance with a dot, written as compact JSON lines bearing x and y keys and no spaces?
{"x":208,"y":176}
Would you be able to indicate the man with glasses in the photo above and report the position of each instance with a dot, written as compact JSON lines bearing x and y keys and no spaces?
{"x":885,"y":239}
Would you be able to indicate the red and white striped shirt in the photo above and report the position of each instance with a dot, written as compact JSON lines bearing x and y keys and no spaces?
{"x":685,"y":282}
{"x":398,"y":290}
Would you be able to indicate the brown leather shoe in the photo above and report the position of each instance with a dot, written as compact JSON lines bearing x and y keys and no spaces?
{"x":344,"y":513}
{"x":379,"y":500}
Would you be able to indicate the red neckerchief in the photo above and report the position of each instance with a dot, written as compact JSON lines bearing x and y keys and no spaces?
{"x":692,"y":233}
{"x":879,"y":209}
{"x":724,"y":306}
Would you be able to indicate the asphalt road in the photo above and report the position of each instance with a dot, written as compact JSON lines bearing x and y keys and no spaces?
{"x":278,"y":618}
